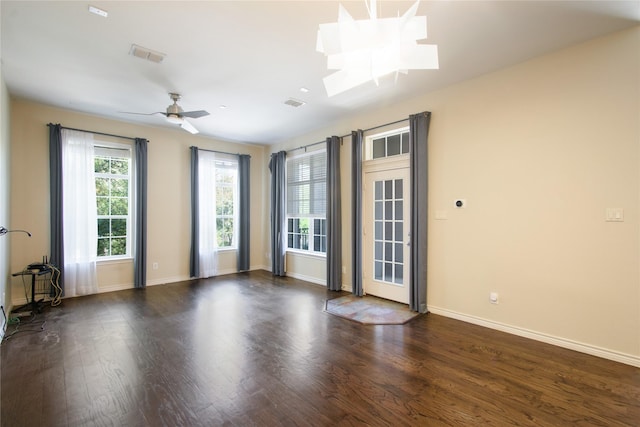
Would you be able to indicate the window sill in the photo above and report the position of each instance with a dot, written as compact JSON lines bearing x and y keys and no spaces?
{"x":227,"y":249}
{"x":126,"y":260}
{"x":307,"y":254}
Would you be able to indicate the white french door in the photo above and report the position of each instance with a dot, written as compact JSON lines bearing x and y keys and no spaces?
{"x":385,"y":251}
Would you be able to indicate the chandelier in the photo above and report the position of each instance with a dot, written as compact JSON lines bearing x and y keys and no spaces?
{"x":365,"y":50}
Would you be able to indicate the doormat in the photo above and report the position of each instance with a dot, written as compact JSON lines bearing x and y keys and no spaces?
{"x":370,"y":310}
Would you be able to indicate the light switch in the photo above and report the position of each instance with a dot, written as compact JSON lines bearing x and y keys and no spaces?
{"x":441,"y":214}
{"x":614,"y":215}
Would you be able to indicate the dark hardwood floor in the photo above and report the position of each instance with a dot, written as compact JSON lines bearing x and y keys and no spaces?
{"x":249,"y":349}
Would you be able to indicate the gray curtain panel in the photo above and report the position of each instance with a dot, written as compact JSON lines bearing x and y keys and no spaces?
{"x":140,"y":254}
{"x":334,"y":216}
{"x":194,"y":258}
{"x":278,"y":167}
{"x":356,"y":211}
{"x":418,"y":136}
{"x":244,"y":228}
{"x":55,"y":190}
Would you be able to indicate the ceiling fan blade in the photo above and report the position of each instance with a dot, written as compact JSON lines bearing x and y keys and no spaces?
{"x":142,"y":114}
{"x":194,"y":114}
{"x":188,"y":127}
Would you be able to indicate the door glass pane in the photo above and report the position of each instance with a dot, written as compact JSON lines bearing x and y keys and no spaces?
{"x":388,"y":189}
{"x":378,"y":230}
{"x":388,"y":272}
{"x":377,"y":270}
{"x":388,"y":230}
{"x":398,"y":231}
{"x":398,"y":185}
{"x":399,"y":210}
{"x":378,"y":190}
{"x":398,"y":257}
{"x":398,"y":273}
{"x":388,"y":210}
{"x":378,"y":211}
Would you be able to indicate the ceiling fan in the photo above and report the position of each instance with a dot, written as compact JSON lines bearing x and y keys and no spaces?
{"x":176,"y":115}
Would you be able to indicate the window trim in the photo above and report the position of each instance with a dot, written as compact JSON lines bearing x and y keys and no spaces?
{"x":368,"y":143}
{"x":233,"y":165}
{"x":310,"y":216}
{"x":101,"y":149}
{"x":306,"y":253}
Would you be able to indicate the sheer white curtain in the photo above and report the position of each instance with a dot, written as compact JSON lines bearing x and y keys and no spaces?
{"x":80,"y":217}
{"x":208,"y":245}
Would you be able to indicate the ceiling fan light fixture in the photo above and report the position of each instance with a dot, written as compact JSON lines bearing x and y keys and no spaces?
{"x":175,"y":119}
{"x":176,"y":115}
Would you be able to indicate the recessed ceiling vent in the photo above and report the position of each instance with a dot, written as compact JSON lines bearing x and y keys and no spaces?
{"x":148,"y":54}
{"x":294,"y":102}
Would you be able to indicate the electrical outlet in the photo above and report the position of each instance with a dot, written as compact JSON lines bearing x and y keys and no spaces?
{"x":155,"y":266}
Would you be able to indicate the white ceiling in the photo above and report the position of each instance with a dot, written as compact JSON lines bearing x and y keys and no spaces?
{"x":253,"y":56}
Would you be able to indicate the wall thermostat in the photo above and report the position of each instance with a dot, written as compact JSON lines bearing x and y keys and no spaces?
{"x":460,"y":203}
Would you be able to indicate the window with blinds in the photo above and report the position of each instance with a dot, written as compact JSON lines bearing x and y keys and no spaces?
{"x":307,"y":201}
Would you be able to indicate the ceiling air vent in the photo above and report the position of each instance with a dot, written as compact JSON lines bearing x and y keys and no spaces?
{"x":148,"y":54}
{"x":294,"y":102}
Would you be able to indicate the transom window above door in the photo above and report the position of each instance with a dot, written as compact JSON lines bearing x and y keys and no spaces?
{"x":387,"y":144}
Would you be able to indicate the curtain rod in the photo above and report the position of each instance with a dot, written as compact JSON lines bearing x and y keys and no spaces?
{"x":349,"y":134}
{"x":307,"y":146}
{"x":386,"y":124}
{"x":219,"y":152}
{"x":97,"y":133}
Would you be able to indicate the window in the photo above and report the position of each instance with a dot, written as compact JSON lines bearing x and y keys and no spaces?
{"x":226,"y":173}
{"x":388,"y":144}
{"x":112,"y":167}
{"x":307,"y":202}
{"x":218,"y":201}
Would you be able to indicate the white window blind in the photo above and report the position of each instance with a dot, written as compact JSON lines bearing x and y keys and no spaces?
{"x":307,"y":185}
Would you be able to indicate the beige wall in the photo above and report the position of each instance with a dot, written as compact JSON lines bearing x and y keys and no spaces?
{"x":540,"y":151}
{"x":168,"y":198}
{"x":5,"y":273}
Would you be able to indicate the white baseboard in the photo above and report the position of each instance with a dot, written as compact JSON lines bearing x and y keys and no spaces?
{"x":604,"y":353}
{"x":167,"y":280}
{"x":310,"y":279}
{"x":113,"y":288}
